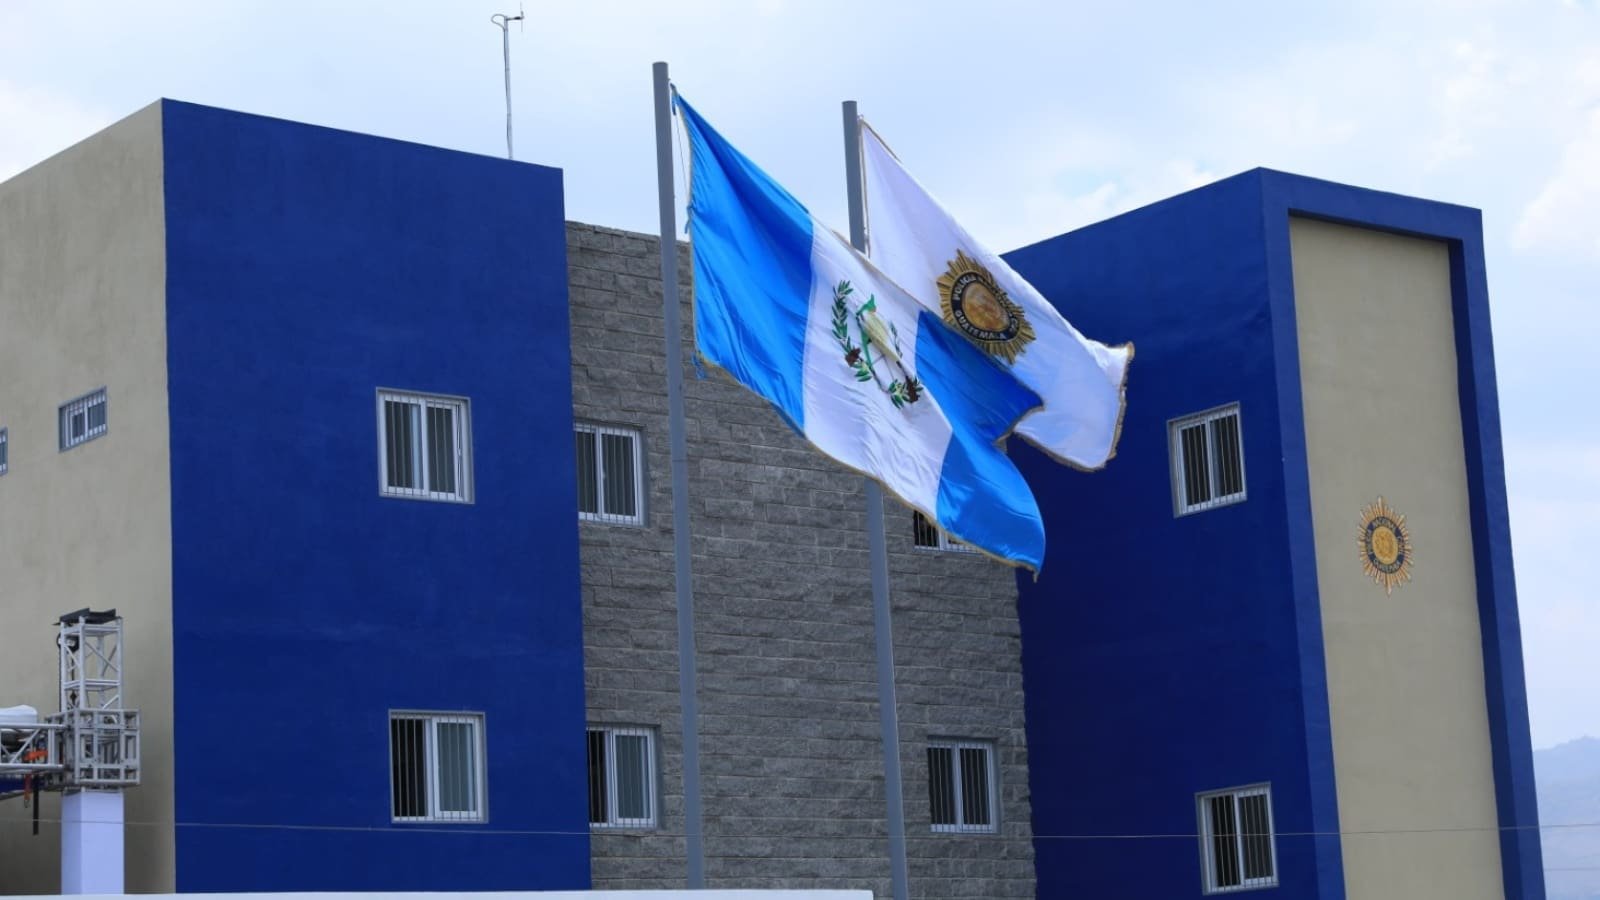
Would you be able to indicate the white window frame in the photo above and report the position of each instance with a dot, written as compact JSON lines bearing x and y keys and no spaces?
{"x":637,"y":437}
{"x":946,"y":543}
{"x":652,"y":766}
{"x":992,"y":785}
{"x":1209,"y":418}
{"x":5,"y":450}
{"x":1209,"y":876}
{"x":430,"y":763}
{"x":66,"y":411}
{"x":461,"y":420}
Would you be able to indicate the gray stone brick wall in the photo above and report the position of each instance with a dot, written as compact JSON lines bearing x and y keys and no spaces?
{"x":791,"y":765}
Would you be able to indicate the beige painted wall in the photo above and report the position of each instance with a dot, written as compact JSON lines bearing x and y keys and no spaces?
{"x":1405,"y":672}
{"x":82,"y":305}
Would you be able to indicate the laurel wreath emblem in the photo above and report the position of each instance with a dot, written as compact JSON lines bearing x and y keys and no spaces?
{"x":903,"y":390}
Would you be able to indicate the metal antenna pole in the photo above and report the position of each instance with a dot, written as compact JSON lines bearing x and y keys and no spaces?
{"x":503,"y":22}
{"x":878,"y":555}
{"x":693,"y":836}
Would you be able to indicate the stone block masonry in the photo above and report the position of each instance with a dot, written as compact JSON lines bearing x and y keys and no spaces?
{"x":791,"y":764}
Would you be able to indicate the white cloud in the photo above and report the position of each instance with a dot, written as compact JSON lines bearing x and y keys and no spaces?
{"x":1046,"y":213}
{"x":40,"y":123}
{"x":1565,"y":215}
{"x":1554,"y":490}
{"x":1469,"y":97}
{"x":1051,"y":175}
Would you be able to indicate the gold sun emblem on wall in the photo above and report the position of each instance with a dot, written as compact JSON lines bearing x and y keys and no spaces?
{"x":1385,"y":545}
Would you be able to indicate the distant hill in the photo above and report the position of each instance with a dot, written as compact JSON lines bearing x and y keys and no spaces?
{"x":1568,"y":778}
{"x":1570,"y":761}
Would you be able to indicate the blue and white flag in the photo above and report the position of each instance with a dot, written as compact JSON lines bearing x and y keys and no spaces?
{"x":914,"y":241}
{"x":852,"y":362}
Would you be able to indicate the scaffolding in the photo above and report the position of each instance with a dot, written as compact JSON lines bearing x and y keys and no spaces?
{"x":92,"y":741}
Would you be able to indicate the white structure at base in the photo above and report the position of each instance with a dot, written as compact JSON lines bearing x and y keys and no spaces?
{"x":91,"y":842}
{"x":530,"y":895}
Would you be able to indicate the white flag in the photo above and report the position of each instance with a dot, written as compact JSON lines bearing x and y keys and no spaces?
{"x":914,"y":241}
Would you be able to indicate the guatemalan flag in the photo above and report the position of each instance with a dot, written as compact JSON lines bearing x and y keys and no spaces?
{"x":852,"y":362}
{"x":914,"y":241}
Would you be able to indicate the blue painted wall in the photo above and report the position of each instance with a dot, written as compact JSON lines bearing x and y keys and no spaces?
{"x":306,"y":268}
{"x":1166,"y":656}
{"x":1161,"y":655}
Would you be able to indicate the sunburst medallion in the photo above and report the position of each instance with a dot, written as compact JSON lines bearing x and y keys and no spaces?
{"x":1385,"y":545}
{"x":974,"y":304}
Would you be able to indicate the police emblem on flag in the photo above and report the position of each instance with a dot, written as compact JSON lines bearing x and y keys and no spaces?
{"x":975,"y":305}
{"x":1385,"y":545}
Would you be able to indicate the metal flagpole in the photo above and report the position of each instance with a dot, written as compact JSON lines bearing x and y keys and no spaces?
{"x":694,"y":839}
{"x":888,"y":714}
{"x":503,"y":22}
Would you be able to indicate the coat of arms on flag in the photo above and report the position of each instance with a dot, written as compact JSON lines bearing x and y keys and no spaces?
{"x":872,"y":331}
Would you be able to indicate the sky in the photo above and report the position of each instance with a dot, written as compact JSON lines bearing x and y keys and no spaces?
{"x":1026,"y":119}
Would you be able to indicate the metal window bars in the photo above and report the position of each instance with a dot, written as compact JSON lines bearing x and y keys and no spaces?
{"x":925,"y":535}
{"x":961,"y":787}
{"x":610,"y":473}
{"x":81,"y":420}
{"x":1207,"y":460}
{"x":1236,"y":840}
{"x":436,"y":767}
{"x":622,"y":777}
{"x":424,"y":446}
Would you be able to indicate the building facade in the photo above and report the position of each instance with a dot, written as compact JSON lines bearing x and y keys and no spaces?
{"x":1315,"y":372}
{"x":298,"y":402}
{"x":253,"y":306}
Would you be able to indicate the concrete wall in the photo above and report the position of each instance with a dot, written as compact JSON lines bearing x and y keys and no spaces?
{"x":790,"y":755}
{"x":82,"y":287}
{"x":1405,"y":672}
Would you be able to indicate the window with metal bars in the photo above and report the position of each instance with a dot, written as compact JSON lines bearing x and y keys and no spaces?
{"x":1236,"y":840}
{"x":436,"y":767}
{"x":5,"y":450}
{"x":1207,"y":460}
{"x":622,"y":777}
{"x":425,"y":447}
{"x":610,"y":474}
{"x":82,"y":420}
{"x":927,"y":536}
{"x":961,"y":786}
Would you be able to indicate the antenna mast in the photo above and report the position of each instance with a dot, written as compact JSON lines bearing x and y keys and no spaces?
{"x":503,"y":22}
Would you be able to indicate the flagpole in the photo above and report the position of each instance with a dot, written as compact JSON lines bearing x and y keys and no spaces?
{"x":694,"y":838}
{"x":878,"y":553}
